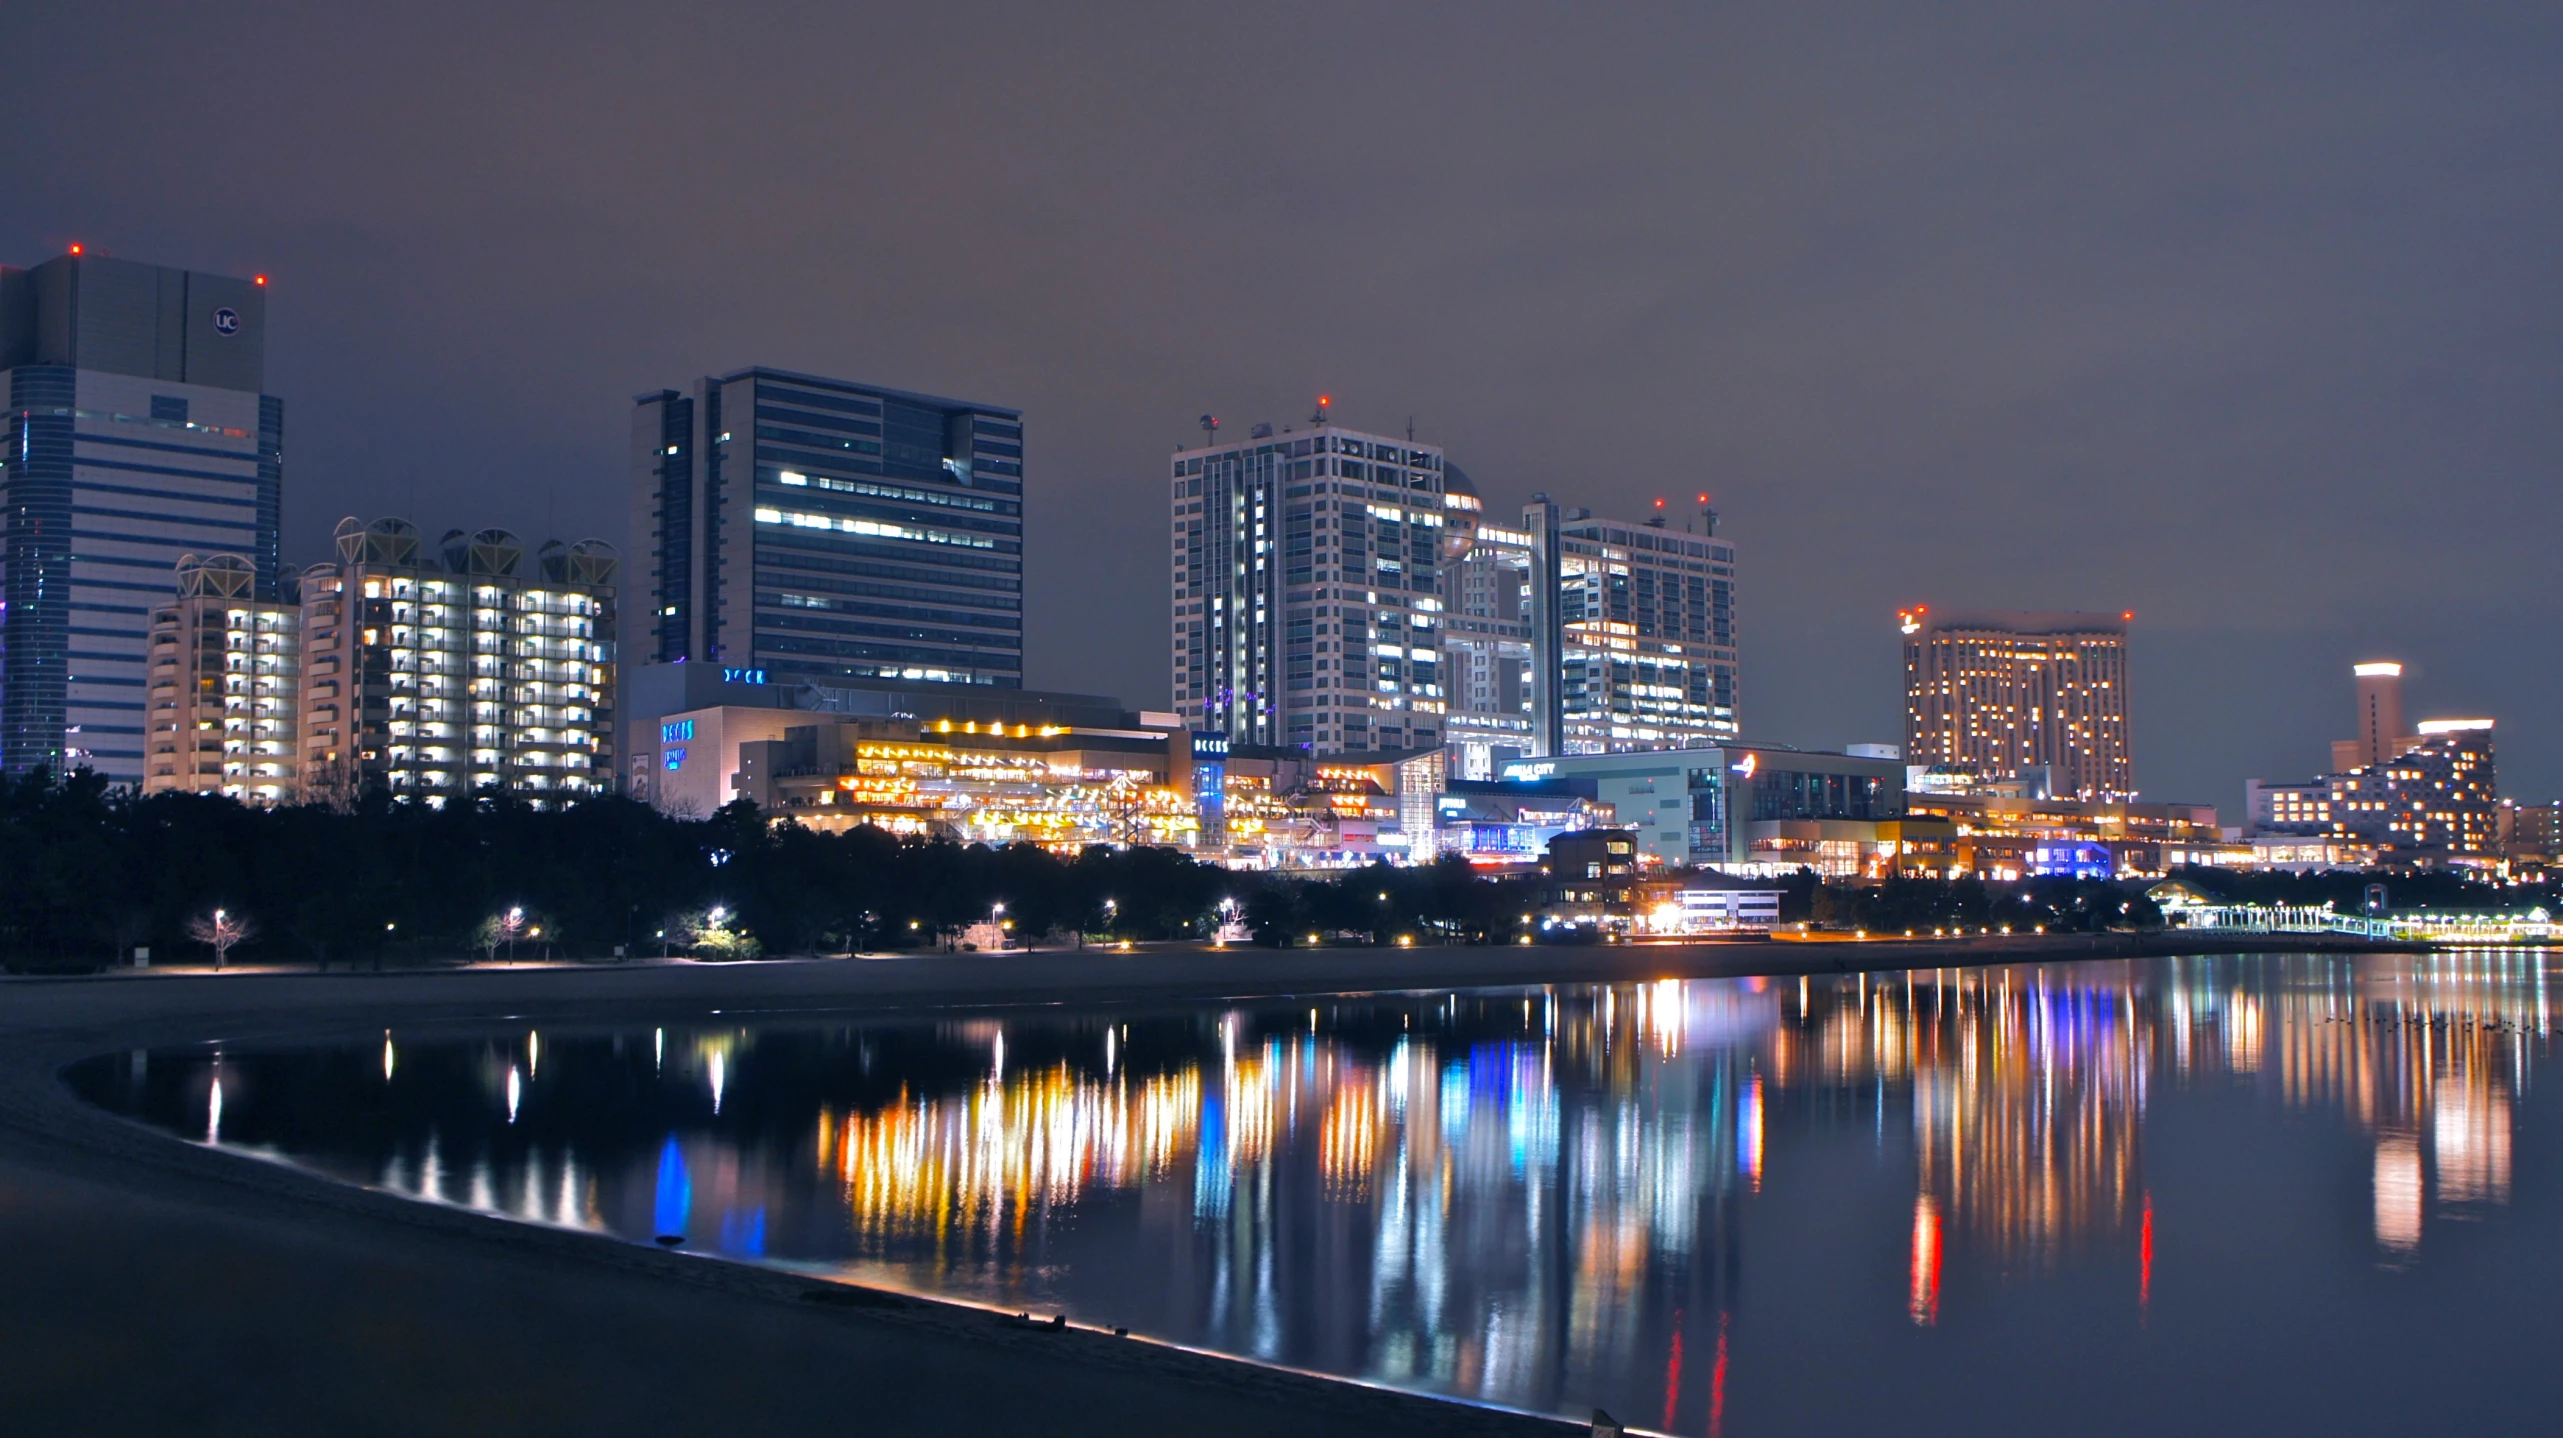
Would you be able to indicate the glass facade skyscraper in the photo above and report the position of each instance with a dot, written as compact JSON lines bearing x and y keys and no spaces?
{"x":809,"y":530}
{"x":136,"y":435}
{"x":1579,"y":635}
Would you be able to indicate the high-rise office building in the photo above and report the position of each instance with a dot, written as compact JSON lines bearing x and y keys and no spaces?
{"x":1490,"y":651}
{"x":2001,"y":692}
{"x":1307,"y":589}
{"x":137,"y":434}
{"x":1580,"y":635}
{"x":225,"y":682}
{"x":1342,"y":592}
{"x":437,"y":675}
{"x":1646,"y":631}
{"x":809,"y":530}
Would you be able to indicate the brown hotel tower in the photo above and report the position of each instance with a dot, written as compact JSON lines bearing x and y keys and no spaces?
{"x":2001,"y":691}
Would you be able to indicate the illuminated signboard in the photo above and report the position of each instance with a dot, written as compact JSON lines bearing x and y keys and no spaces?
{"x":676,"y":733}
{"x":674,"y":758}
{"x":742,"y":676}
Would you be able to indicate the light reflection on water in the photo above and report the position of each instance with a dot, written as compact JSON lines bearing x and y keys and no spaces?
{"x":1706,"y":1206}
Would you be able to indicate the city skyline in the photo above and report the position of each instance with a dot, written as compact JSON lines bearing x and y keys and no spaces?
{"x":2140,"y":366}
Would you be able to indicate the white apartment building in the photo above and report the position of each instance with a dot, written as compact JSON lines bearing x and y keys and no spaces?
{"x":433,"y":680}
{"x":223,"y":678}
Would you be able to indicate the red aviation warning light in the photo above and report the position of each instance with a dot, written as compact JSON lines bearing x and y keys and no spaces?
{"x":75,"y":249}
{"x":262,"y":279}
{"x":2127,"y":616}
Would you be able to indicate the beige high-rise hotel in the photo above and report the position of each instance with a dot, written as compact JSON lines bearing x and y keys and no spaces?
{"x":2000,"y":692}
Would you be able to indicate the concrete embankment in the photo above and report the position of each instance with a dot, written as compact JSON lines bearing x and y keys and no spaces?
{"x":158,"y":1286}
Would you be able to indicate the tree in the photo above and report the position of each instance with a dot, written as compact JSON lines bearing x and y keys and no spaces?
{"x":715,"y":935}
{"x":220,"y":931}
{"x":504,"y":927}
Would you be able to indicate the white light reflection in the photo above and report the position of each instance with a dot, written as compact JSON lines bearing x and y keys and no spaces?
{"x":515,"y":1091}
{"x":387,"y":1055}
{"x":719,"y":1073}
{"x":2398,"y":1196}
{"x":213,"y":1113}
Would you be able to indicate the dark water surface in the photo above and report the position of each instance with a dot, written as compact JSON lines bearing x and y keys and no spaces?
{"x":2226,"y":1195}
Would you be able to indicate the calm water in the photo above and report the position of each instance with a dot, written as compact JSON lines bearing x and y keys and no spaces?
{"x":2232,"y":1195}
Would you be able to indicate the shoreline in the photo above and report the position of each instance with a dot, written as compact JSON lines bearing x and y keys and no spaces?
{"x":169,"y":1286}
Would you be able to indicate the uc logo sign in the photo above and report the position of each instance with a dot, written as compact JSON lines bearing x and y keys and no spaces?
{"x":227,"y":320}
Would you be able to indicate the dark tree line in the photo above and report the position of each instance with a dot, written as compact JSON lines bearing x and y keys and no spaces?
{"x":88,"y":873}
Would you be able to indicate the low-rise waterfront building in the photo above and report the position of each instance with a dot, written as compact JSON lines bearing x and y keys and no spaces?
{"x":1742,"y":808}
{"x":1996,"y":837}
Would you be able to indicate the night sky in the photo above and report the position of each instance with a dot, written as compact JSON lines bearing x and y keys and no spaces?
{"x":2246,"y":318}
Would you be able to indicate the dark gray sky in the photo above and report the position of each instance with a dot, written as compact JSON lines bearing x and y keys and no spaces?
{"x":2248,"y":318}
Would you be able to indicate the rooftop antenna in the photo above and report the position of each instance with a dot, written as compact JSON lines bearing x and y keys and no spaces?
{"x":1210,"y":428}
{"x":1708,"y":517}
{"x":1410,"y":429}
{"x":1320,"y":416}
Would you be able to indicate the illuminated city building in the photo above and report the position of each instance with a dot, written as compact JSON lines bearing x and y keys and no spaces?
{"x":2381,"y":734}
{"x":1057,"y":787}
{"x":1307,"y":589}
{"x":814,"y":529}
{"x":2288,"y":808}
{"x":693,"y":727}
{"x":1991,"y":836}
{"x":1632,"y":626}
{"x":224,"y":686}
{"x":2435,"y":803}
{"x":2430,"y":801}
{"x":1750,"y":809}
{"x":2001,"y":692}
{"x":1491,"y":650}
{"x":1644,"y":632}
{"x":1500,"y":824}
{"x":135,"y":434}
{"x":434,"y":679}
{"x":2531,"y":835}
